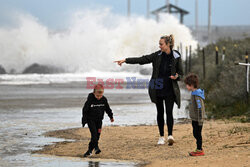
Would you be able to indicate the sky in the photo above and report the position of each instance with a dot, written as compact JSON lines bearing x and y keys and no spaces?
{"x":56,"y":13}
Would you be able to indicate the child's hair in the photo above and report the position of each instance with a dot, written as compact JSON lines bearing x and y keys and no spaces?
{"x":98,"y":88}
{"x":169,"y":39}
{"x":192,"y":79}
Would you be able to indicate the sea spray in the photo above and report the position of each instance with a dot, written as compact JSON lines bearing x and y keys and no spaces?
{"x":92,"y":41}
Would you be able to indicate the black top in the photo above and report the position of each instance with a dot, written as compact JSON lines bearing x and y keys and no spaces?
{"x":155,"y":58}
{"x":94,"y":109}
{"x":165,"y":73}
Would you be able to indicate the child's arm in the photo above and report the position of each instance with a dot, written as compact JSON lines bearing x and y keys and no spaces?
{"x":85,"y":110}
{"x":199,"y":110}
{"x":109,"y":111}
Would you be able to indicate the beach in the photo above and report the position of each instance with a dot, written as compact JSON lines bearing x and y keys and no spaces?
{"x":31,"y":105}
{"x":225,"y":144}
{"x":41,"y":126}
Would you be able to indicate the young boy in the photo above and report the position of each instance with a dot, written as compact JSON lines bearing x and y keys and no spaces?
{"x":196,"y":111}
{"x":92,"y":114}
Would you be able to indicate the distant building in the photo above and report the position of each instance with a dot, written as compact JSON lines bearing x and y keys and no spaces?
{"x":170,"y":9}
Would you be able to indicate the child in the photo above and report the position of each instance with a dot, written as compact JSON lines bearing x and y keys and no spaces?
{"x":92,"y":114}
{"x":196,"y":111}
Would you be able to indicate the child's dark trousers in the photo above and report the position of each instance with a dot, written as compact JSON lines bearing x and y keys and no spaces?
{"x":197,"y":134}
{"x":95,"y":127}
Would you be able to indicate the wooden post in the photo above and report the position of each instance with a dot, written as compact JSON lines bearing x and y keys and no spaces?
{"x":216,"y":55}
{"x":198,"y":48}
{"x":204,"y":63}
{"x":190,"y":57}
{"x":223,"y":53}
{"x":246,"y":57}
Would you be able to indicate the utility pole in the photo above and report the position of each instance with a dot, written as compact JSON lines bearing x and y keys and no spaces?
{"x":196,"y":18}
{"x":148,"y":9}
{"x":176,"y":2}
{"x":129,"y":8}
{"x":168,"y":7}
{"x":209,"y":21}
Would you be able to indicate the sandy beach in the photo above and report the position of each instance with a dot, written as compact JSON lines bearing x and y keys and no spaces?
{"x":29,"y":111}
{"x":225,"y":144}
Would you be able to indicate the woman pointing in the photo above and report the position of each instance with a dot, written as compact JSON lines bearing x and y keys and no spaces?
{"x":163,"y":87}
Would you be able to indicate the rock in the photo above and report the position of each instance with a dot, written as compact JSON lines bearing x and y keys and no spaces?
{"x":42,"y":69}
{"x":146,"y":71}
{"x":13,"y":71}
{"x":2,"y":70}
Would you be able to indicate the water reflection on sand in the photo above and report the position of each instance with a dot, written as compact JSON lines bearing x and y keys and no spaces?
{"x":29,"y":111}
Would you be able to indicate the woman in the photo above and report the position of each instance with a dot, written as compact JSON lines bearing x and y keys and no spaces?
{"x":167,"y":70}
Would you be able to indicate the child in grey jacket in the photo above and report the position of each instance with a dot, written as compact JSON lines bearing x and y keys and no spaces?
{"x":196,"y":111}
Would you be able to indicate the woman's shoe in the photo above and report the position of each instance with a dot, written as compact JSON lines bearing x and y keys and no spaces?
{"x":170,"y":140}
{"x":161,"y":140}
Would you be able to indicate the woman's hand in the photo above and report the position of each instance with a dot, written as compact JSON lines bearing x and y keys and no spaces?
{"x":119,"y":62}
{"x":174,"y":77}
{"x":112,"y":120}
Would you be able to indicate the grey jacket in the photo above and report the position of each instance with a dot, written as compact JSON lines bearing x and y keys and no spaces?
{"x":155,"y":59}
{"x":197,"y":107}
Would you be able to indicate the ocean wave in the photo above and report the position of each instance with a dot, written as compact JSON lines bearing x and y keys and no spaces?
{"x":29,"y":79}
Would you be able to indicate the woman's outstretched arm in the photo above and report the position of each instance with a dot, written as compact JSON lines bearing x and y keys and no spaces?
{"x":138,"y":60}
{"x":120,"y":62}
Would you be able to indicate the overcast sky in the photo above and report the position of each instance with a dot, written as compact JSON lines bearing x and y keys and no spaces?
{"x":54,"y":13}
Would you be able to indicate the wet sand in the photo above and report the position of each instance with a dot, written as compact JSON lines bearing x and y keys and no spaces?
{"x":63,"y":96}
{"x":27,"y":111}
{"x":225,"y":144}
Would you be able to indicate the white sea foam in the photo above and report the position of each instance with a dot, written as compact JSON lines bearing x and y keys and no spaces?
{"x":27,"y":79}
{"x":93,"y":40}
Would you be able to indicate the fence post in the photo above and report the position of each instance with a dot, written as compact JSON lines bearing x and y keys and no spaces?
{"x":223,"y":53}
{"x":204,"y":63}
{"x":190,"y":57}
{"x":216,"y":55}
{"x":246,"y":58}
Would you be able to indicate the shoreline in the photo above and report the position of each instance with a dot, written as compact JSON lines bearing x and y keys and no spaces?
{"x":226,"y":143}
{"x":84,"y":159}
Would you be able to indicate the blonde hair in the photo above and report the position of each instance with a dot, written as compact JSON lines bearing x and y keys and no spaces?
{"x":169,"y":39}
